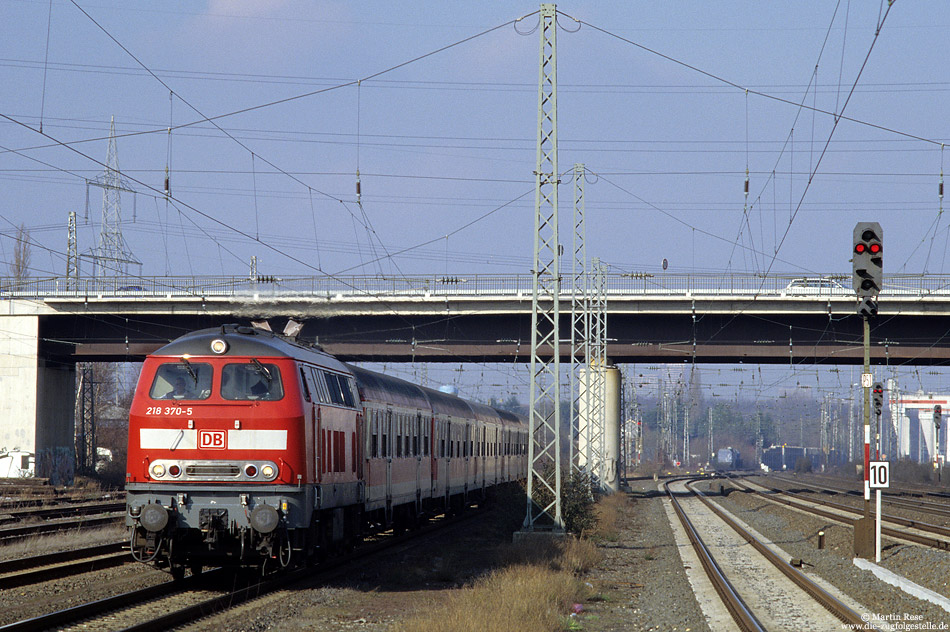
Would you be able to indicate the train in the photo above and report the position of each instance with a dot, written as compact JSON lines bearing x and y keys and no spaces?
{"x":728,"y":459}
{"x":250,"y":448}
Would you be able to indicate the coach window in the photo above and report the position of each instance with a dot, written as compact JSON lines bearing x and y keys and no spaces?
{"x":182,"y":380}
{"x":374,"y":435}
{"x":398,"y":437}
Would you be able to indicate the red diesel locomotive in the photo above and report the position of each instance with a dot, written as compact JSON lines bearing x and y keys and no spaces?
{"x":245,"y":447}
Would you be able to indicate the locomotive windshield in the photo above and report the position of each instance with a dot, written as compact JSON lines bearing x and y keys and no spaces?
{"x":182,"y":380}
{"x":253,"y":380}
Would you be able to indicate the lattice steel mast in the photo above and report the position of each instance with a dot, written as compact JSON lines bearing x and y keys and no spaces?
{"x":544,"y":455}
{"x":580,"y":320}
{"x":112,"y":255}
{"x":596,"y":391}
{"x":72,"y":253}
{"x":85,"y":420}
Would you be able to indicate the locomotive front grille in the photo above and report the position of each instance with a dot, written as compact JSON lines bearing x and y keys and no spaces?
{"x":168,"y":470}
{"x":212,"y":469}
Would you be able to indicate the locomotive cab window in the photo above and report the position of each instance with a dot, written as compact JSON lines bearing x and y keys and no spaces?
{"x":251,"y":381}
{"x":182,"y":380}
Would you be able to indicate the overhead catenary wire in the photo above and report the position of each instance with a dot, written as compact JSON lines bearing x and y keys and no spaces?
{"x":49,"y":24}
{"x":213,"y":120}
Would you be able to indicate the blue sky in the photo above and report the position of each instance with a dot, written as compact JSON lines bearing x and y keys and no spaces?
{"x":447,"y":139}
{"x":666,"y":103}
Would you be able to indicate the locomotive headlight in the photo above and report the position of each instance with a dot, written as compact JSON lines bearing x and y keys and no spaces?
{"x":174,"y":469}
{"x":219,"y":346}
{"x":250,"y":470}
{"x":268,"y":471}
{"x":158,"y":470}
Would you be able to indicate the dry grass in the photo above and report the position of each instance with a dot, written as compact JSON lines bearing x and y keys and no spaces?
{"x":67,"y":541}
{"x":608,"y":513}
{"x":533,"y":591}
{"x":523,"y":598}
{"x":538,"y":581}
{"x":568,"y":554}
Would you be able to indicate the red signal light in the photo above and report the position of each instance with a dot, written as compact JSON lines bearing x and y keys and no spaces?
{"x":875,"y":249}
{"x":859,"y":248}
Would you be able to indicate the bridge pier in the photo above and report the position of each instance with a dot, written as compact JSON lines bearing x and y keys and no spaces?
{"x":37,"y":399}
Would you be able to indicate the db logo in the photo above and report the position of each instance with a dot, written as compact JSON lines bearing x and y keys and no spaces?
{"x":212,"y":439}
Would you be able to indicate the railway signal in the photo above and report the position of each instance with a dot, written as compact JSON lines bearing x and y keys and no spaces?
{"x":938,"y":414}
{"x":879,"y":398}
{"x":867,"y":307}
{"x":867,"y":259}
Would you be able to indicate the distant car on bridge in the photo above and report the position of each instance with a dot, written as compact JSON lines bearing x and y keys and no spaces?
{"x":811,"y":286}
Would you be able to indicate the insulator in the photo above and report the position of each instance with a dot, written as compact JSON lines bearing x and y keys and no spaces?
{"x":940,"y":189}
{"x":747,"y":186}
{"x":167,"y":188}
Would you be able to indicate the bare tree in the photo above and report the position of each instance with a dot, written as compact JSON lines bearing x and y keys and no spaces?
{"x":20,"y":266}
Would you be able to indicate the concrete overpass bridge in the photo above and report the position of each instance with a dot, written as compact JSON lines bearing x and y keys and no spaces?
{"x":48,"y":325}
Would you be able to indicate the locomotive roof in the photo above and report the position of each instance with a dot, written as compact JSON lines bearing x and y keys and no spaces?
{"x":246,"y":341}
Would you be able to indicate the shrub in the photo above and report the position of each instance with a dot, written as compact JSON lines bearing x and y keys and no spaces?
{"x":802,"y":465}
{"x":577,"y":503}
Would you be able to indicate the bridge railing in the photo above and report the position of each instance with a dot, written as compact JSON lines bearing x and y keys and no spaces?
{"x":474,"y":285}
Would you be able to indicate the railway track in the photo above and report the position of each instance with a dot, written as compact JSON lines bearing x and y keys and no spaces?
{"x":39,"y":568}
{"x":20,"y":532}
{"x":28,"y":514}
{"x":914,"y":531}
{"x":895,"y":498}
{"x":170,"y":604}
{"x":761,"y":590}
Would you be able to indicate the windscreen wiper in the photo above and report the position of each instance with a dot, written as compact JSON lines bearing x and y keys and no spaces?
{"x":263,"y":370}
{"x":191,"y":371}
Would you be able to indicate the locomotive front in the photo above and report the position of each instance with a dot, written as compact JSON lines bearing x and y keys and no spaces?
{"x":217,"y":467}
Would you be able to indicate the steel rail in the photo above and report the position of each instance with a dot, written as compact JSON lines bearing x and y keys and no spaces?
{"x":895,"y":498}
{"x":13,"y":533}
{"x":236,"y":597}
{"x":740,"y":612}
{"x":228,"y":599}
{"x":831,"y":604}
{"x":63,"y":511}
{"x":40,"y":568}
{"x":95,"y":608}
{"x":943,"y":545}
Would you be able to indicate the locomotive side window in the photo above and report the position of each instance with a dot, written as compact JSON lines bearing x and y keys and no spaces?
{"x":251,"y":381}
{"x":319,"y":386}
{"x":306,"y":387}
{"x":182,"y":380}
{"x":339,"y":388}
